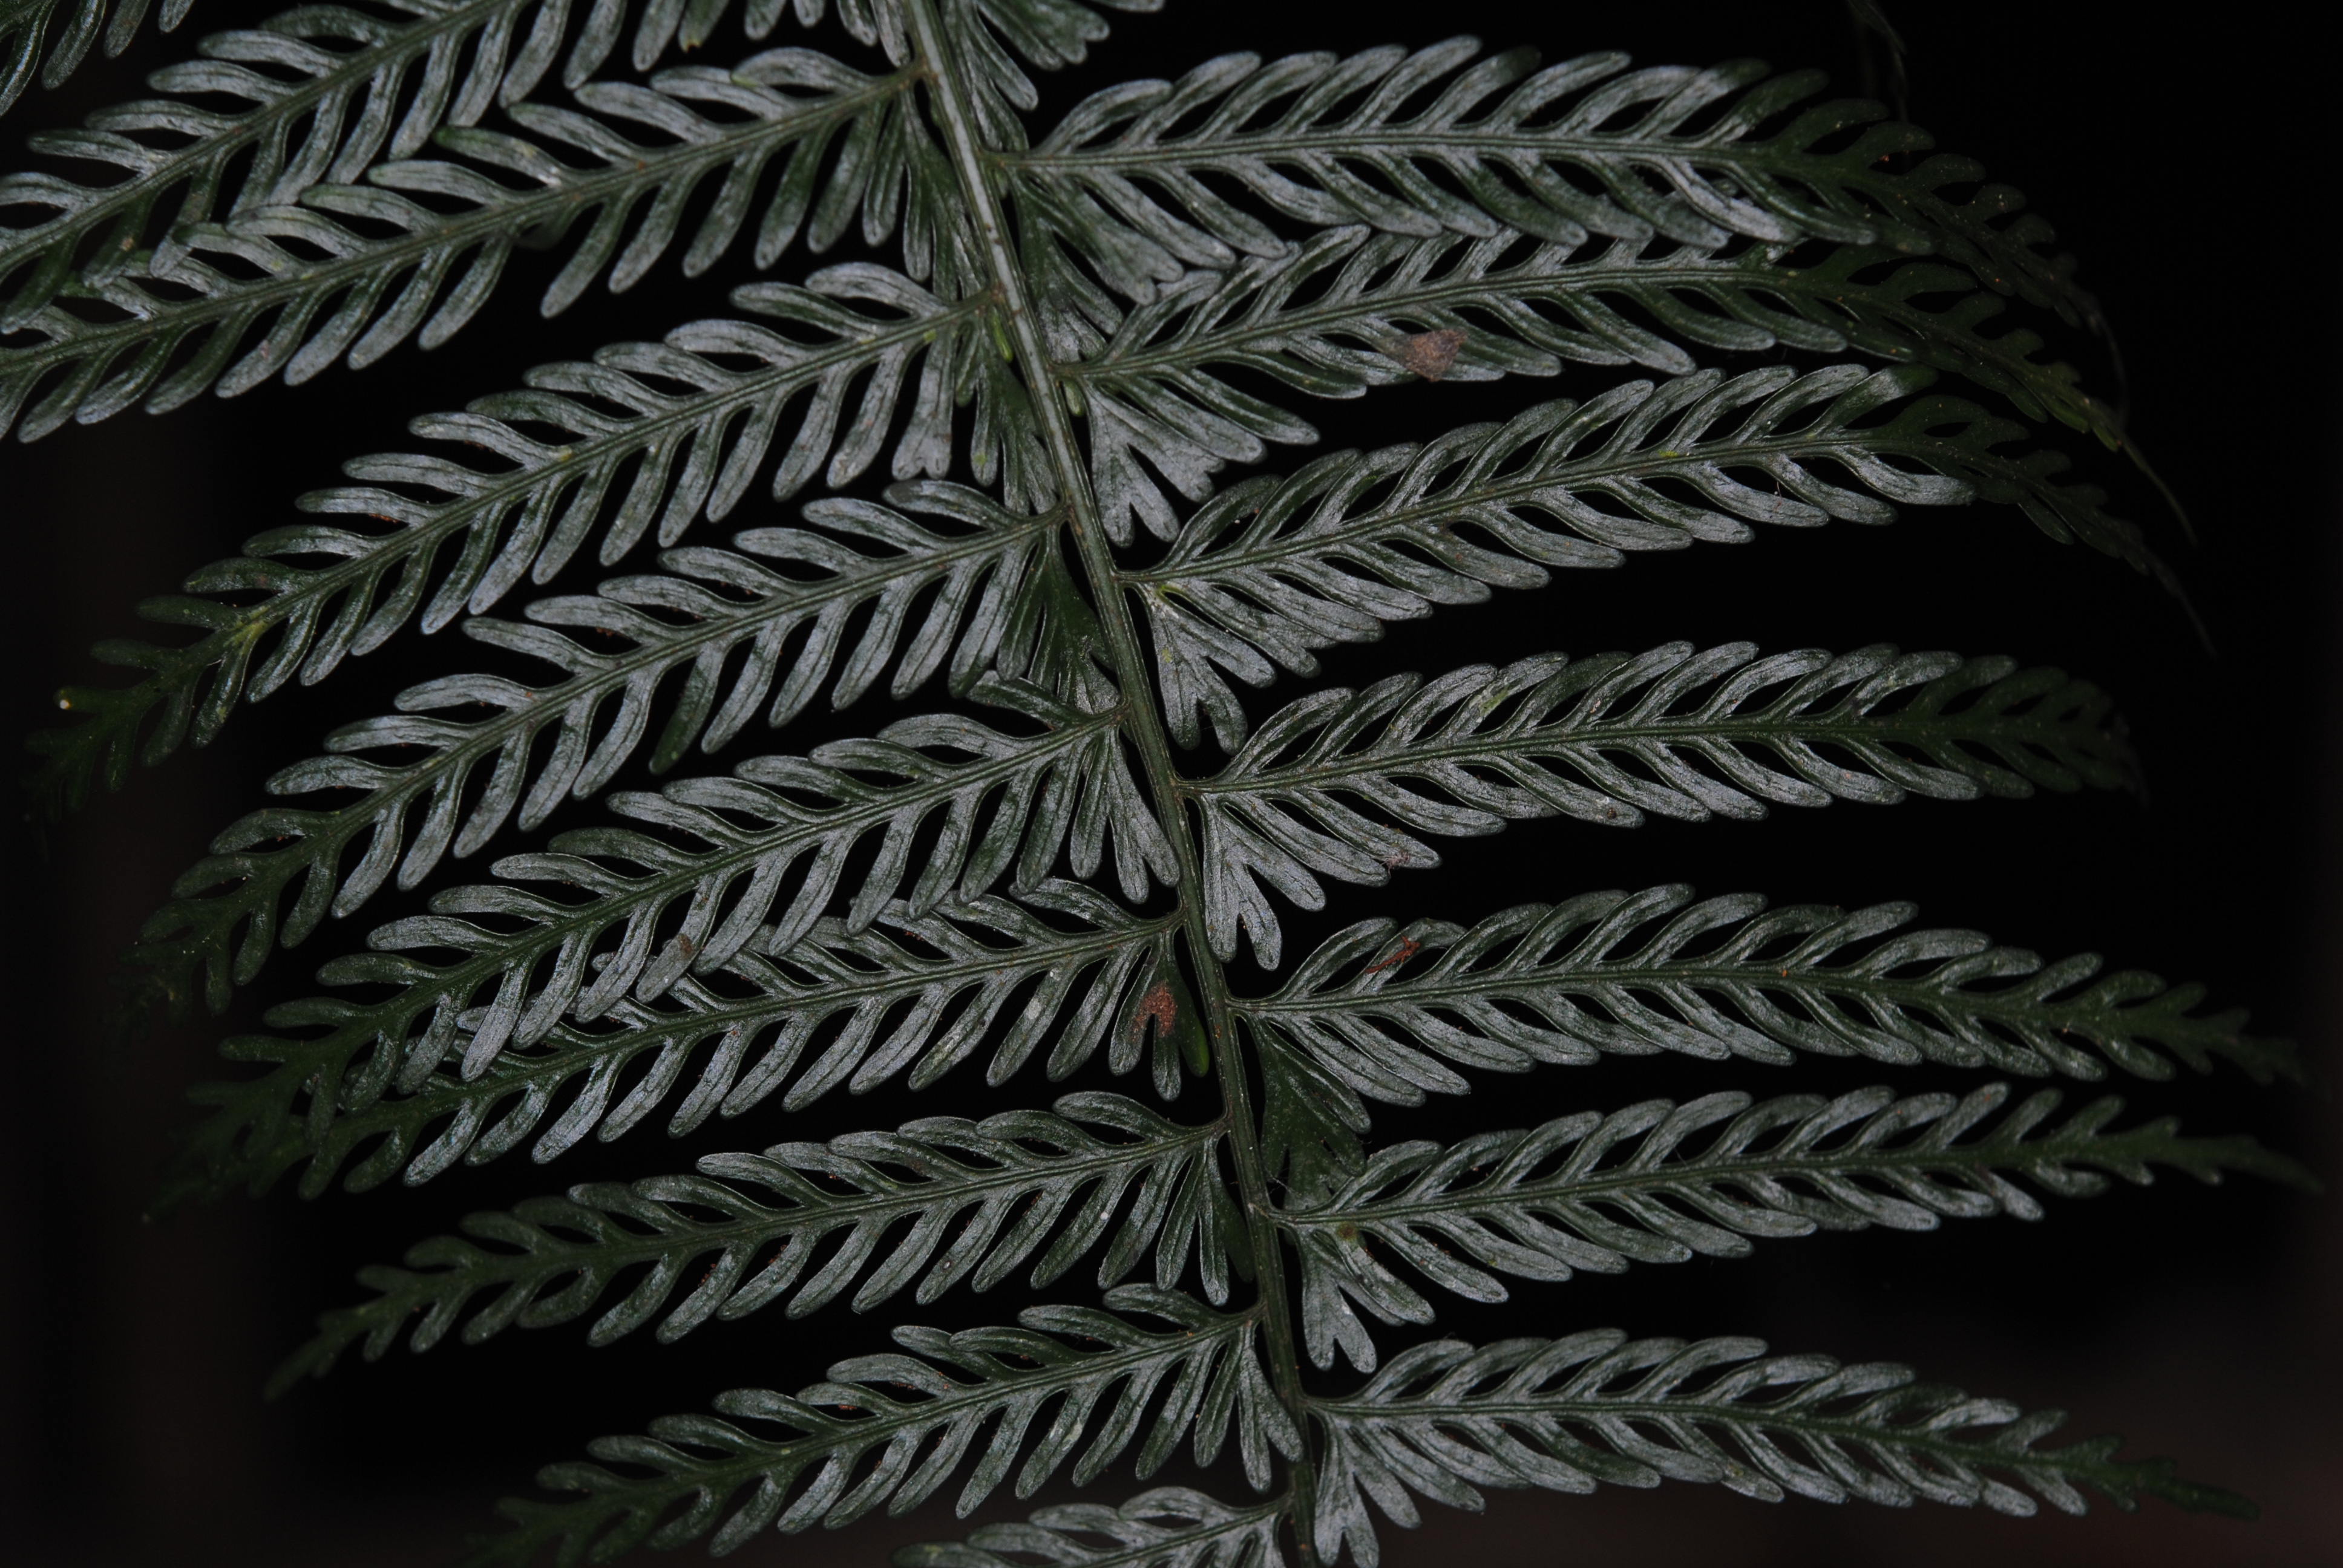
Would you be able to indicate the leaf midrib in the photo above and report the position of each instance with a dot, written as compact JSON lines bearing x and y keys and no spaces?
{"x":1231,"y":344}
{"x":2017,"y":1000}
{"x":1572,"y":475}
{"x":2059,"y":1148}
{"x":1003,"y":1386}
{"x":1974,"y":1453}
{"x":764,"y":1224}
{"x":1386,"y":141}
{"x":1579,"y":732}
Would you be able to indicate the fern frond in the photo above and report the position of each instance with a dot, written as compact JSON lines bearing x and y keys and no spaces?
{"x":319,"y":96}
{"x":1444,"y":1419}
{"x":1273,"y":814}
{"x":1065,"y":1185}
{"x":1170,"y":1527}
{"x":984,"y":576}
{"x":1324,"y":140}
{"x":775,"y":858}
{"x":1272,"y":569}
{"x":177,"y":330}
{"x":946,"y":979}
{"x":1350,"y":309}
{"x":1722,"y":977}
{"x":694,"y":427}
{"x":1596,"y":1192}
{"x":700,"y":1465}
{"x":25,"y":28}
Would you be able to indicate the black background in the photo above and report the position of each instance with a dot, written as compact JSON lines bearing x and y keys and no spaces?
{"x":2198,"y":1321}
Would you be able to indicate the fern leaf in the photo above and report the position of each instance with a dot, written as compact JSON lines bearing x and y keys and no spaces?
{"x":555,"y":1258}
{"x":1278,"y":821}
{"x":1323,"y":140}
{"x":1351,"y":309}
{"x":1596,"y":1192}
{"x":1170,"y":1527}
{"x":681,"y":455}
{"x":774,"y":860}
{"x":1341,"y":149}
{"x":319,"y":95}
{"x":25,"y":28}
{"x":1720,"y":979}
{"x":945,"y":982}
{"x":701,"y":1466}
{"x":1270,"y":571}
{"x":981,"y":575}
{"x":1443,"y":1419}
{"x":388,"y":286}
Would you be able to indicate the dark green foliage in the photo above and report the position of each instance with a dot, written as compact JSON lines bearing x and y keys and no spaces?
{"x":1603,"y":1407}
{"x":557,"y":498}
{"x":1076,"y":332}
{"x":984,"y":612}
{"x":1764,"y":989}
{"x":1785,"y":1167}
{"x":989,"y":951}
{"x":1270,"y":571}
{"x":1279,"y":812}
{"x":975,"y":1175}
{"x":1206,"y":1365}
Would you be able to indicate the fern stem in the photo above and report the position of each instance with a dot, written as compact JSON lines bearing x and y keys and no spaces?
{"x":1140,"y":724}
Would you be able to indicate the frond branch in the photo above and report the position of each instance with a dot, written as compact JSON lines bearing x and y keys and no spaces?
{"x":1063,"y":1183}
{"x":600,"y":715}
{"x":1087,"y":988}
{"x":101,"y":367}
{"x":527,"y":521}
{"x":773,"y":860}
{"x":1596,"y":1192}
{"x":1444,"y":1419}
{"x":1269,"y":571}
{"x":700,"y":1465}
{"x":1391,"y":1013}
{"x":1483,"y":738}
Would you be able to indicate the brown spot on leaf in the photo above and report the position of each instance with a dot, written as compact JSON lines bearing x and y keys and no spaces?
{"x":1431,"y":354}
{"x":1156,"y":1004}
{"x":1408,"y":947}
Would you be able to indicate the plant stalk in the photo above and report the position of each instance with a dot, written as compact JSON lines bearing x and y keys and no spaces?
{"x":1144,"y":729}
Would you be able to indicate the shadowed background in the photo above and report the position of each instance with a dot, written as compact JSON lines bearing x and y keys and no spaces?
{"x":2198,"y":1322}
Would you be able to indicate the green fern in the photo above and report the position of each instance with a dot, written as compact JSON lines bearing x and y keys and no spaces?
{"x":1081,"y":329}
